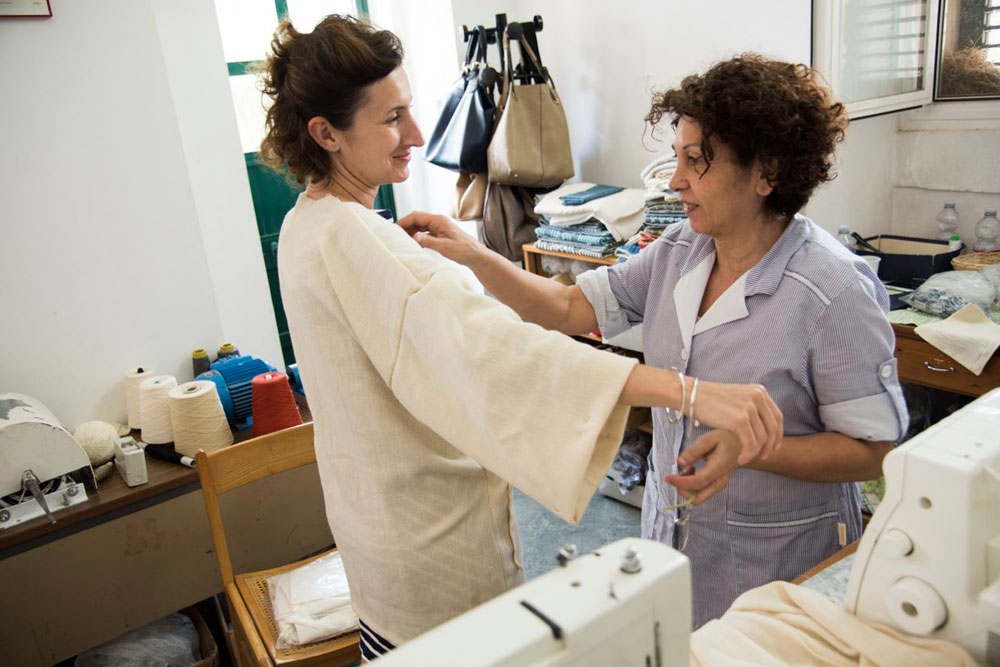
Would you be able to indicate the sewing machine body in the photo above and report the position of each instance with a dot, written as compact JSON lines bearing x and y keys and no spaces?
{"x":588,"y":613}
{"x":929,"y":561}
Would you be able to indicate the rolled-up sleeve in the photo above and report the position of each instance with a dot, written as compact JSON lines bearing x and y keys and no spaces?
{"x":850,"y":360}
{"x":618,"y":293}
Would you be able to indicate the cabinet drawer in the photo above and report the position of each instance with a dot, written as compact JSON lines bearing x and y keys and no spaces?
{"x":922,"y":363}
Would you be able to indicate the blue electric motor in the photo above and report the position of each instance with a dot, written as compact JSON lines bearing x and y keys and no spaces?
{"x":232,"y":377}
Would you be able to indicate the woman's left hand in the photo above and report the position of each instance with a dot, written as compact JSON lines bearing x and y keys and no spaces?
{"x":720,"y":449}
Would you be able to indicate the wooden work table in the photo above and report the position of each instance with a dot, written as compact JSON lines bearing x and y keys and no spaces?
{"x":128,"y":556}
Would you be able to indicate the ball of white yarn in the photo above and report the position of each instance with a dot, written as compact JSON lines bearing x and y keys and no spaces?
{"x":98,"y":440}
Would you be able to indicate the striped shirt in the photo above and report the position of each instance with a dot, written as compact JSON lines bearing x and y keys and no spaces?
{"x":808,"y":322}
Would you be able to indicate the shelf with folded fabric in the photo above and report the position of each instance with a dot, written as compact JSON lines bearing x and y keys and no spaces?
{"x":532,"y":258}
{"x":533,"y":264}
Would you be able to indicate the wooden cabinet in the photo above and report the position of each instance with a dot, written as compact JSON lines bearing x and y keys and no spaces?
{"x":922,"y":363}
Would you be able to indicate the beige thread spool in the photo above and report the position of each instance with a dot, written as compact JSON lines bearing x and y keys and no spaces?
{"x":132,"y":380}
{"x":197,"y":418}
{"x":153,"y":409}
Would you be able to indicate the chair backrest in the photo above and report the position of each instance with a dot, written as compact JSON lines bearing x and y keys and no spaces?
{"x":231,"y":467}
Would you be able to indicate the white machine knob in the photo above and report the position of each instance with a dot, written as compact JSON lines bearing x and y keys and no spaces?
{"x":915,"y":607}
{"x":896,"y":543}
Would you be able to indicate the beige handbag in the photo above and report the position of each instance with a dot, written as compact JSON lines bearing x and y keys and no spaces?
{"x":470,"y":196}
{"x":530,"y":145}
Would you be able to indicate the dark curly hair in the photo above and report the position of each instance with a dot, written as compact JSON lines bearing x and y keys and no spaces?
{"x":773,"y":111}
{"x":322,"y":73}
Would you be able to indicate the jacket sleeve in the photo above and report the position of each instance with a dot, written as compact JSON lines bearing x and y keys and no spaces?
{"x":532,"y":406}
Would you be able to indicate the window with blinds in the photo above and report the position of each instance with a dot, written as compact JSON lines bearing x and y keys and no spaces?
{"x":876,"y":54}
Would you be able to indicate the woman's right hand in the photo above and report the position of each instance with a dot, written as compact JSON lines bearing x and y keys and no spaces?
{"x":439,"y":233}
{"x":744,"y":409}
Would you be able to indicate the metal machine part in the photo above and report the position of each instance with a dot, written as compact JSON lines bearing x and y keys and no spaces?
{"x":42,"y":468}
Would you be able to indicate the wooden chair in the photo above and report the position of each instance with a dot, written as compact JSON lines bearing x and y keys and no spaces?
{"x":246,"y":594}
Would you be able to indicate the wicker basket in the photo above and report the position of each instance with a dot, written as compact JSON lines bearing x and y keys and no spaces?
{"x":975,"y":260}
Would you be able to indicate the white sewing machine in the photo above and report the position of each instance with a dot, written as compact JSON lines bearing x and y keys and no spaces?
{"x":928,"y":565}
{"x":929,"y":561}
{"x":627,"y":603}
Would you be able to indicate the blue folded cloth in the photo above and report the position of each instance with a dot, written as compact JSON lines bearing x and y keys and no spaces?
{"x":589,"y":194}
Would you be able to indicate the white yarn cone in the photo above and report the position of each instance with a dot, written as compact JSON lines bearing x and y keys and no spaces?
{"x":154,"y":412}
{"x":197,"y":418}
{"x":132,"y":380}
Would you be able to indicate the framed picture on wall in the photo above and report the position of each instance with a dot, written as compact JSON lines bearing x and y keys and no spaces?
{"x":25,"y":8}
{"x":968,"y":66}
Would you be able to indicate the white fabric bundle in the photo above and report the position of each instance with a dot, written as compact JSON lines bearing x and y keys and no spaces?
{"x":657,"y":174}
{"x":622,"y":213}
{"x":312,"y":602}
{"x":968,"y":336}
{"x":784,"y":624}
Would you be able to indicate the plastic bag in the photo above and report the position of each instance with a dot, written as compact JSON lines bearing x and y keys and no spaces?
{"x":992,"y":273}
{"x":629,"y":467}
{"x":312,"y":602}
{"x":944,"y":293}
{"x":171,"y":641}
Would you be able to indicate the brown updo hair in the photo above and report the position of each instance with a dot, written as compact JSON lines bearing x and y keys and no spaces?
{"x":768,"y":110}
{"x":322,"y":73}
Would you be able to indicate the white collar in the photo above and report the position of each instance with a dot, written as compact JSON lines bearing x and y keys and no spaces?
{"x":689,"y":292}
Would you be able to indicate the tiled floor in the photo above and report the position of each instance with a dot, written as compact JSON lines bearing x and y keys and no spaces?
{"x":543,"y":533}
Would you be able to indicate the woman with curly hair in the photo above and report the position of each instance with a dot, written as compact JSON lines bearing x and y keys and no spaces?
{"x":429,"y":399}
{"x":747,"y":290}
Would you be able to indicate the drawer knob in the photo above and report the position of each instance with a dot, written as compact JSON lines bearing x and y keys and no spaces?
{"x":927,"y":365}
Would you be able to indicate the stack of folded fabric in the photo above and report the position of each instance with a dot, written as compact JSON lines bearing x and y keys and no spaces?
{"x":662,"y":206}
{"x":588,"y":213}
{"x":591,"y":238}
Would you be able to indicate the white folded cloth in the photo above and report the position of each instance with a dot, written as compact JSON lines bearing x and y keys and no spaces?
{"x":622,"y":213}
{"x":784,"y":624}
{"x":312,"y":602}
{"x":968,"y":336}
{"x":659,"y":168}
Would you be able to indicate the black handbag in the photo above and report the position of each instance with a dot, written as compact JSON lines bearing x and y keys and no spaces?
{"x":463,"y":131}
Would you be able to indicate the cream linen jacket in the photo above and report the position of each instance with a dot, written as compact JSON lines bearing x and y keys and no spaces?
{"x":429,"y":400}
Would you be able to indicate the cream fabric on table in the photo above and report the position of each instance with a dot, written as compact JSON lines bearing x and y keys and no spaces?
{"x":427,"y":396}
{"x":968,"y":336}
{"x":784,"y":624}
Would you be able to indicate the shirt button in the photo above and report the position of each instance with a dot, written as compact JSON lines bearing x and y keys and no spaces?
{"x":886,"y":371}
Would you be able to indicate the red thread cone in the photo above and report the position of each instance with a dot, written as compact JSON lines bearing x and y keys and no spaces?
{"x":274,"y":406}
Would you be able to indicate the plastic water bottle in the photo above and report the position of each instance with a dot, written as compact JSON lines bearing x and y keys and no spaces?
{"x":947,"y":221}
{"x":987,"y":230}
{"x":844,"y":236}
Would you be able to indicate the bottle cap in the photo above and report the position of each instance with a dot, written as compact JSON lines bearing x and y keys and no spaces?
{"x":991,"y":211}
{"x":956,"y":237}
{"x":949,"y":204}
{"x":844,"y":229}
{"x":199,"y":353}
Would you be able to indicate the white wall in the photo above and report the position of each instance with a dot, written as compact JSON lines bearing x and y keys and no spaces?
{"x":115,"y":194}
{"x":607,"y":58}
{"x":861,"y":193}
{"x":946,"y":151}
